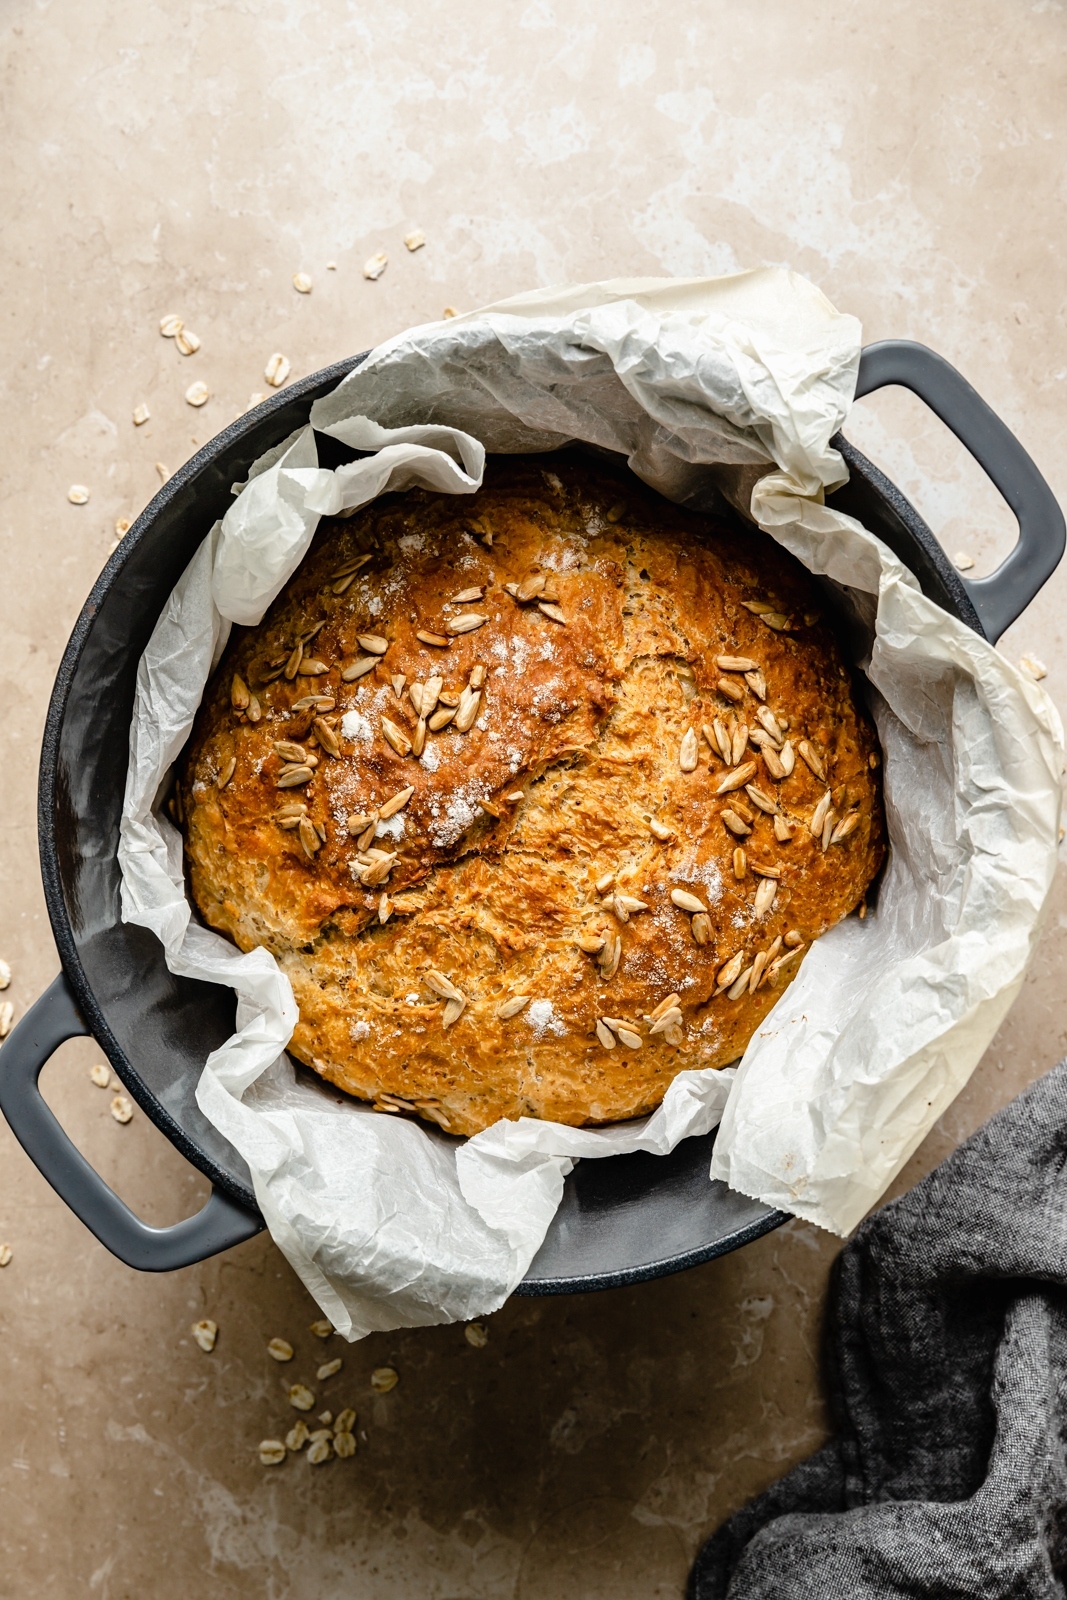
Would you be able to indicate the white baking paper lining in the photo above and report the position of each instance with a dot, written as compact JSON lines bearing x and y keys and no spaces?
{"x":738,"y":380}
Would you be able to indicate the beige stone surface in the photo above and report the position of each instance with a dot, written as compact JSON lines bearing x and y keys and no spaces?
{"x":191,"y":159}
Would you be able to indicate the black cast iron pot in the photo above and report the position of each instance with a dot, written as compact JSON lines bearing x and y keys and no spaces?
{"x":621,"y":1220}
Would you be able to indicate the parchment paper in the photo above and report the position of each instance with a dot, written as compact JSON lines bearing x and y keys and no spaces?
{"x":735,"y":384}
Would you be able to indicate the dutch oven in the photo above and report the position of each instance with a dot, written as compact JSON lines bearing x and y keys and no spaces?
{"x":621,"y":1220}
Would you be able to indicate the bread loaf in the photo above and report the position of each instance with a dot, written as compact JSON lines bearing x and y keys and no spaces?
{"x":538,"y":797}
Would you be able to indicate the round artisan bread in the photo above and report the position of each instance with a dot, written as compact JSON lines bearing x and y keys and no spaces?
{"x":537,"y":797}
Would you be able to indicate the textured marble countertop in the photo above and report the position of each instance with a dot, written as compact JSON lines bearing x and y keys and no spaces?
{"x":908,"y":159}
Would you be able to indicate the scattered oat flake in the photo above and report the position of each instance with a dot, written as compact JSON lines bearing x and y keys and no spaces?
{"x":331,"y":266}
{"x":122,"y":527}
{"x":301,"y":283}
{"x":280,"y":1349}
{"x":141,"y":414}
{"x":77,"y":494}
{"x":298,"y":1436}
{"x":476,"y":1335}
{"x":320,"y":1451}
{"x":415,"y":239}
{"x":382,"y":1379}
{"x":197,"y":394}
{"x":171,"y":325}
{"x":375,"y":266}
{"x":121,"y":1108}
{"x":163,"y":473}
{"x":345,"y":1422}
{"x":322,"y":1329}
{"x":6,"y":1253}
{"x":328,"y":1369}
{"x":100,"y":1075}
{"x":963,"y":561}
{"x":344,"y":1445}
{"x":324,"y":1416}
{"x":5,"y":974}
{"x":7,"y":1018}
{"x":1033,"y":667}
{"x":205,"y":1333}
{"x":301,"y":1397}
{"x":450,"y":311}
{"x":187,"y":342}
{"x":271,"y":1452}
{"x":277,"y":369}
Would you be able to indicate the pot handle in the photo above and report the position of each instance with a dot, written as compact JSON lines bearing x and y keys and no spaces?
{"x":1006,"y":593}
{"x":48,"y":1024}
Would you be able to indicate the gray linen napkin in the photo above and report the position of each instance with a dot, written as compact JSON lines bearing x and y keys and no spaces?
{"x":947,"y":1373}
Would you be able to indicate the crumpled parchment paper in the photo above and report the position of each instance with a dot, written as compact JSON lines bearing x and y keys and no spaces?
{"x":735,"y":382}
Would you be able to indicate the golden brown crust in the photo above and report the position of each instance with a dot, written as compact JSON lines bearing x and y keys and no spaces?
{"x":590,"y":723}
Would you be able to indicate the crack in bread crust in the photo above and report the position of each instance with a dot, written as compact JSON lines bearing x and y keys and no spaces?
{"x":574,"y":768}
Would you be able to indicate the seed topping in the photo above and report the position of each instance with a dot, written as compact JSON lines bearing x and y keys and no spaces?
{"x":397,"y":803}
{"x":686,"y":901}
{"x":467,"y":711}
{"x":819,"y":815}
{"x":671,"y":1003}
{"x":323,"y":702}
{"x":773,"y":762}
{"x":765,"y":894}
{"x":846,"y":826}
{"x":622,"y":1030}
{"x":737,"y":779}
{"x":735,"y":823}
{"x":309,"y":837}
{"x":358,"y":669}
{"x":374,"y":866}
{"x":396,"y":737}
{"x":731,"y":971}
{"x":443,"y":986}
{"x":610,"y":956}
{"x":767,"y":719}
{"x":293,"y":775}
{"x":326,"y":736}
{"x":761,"y":799}
{"x":465,"y":623}
{"x":740,"y":985}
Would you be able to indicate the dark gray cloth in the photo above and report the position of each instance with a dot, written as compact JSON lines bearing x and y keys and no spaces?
{"x":946,"y":1364}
